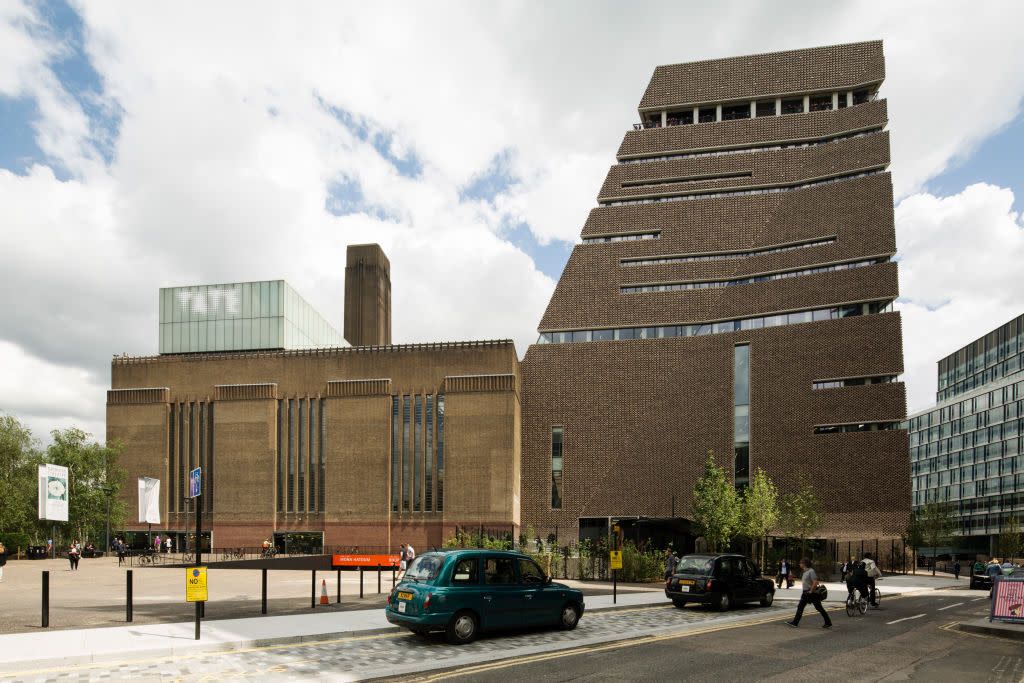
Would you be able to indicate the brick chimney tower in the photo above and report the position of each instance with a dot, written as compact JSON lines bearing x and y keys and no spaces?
{"x":367,"y":296}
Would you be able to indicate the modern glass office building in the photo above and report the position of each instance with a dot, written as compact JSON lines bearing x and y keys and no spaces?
{"x":968,"y":450}
{"x":241,"y":316}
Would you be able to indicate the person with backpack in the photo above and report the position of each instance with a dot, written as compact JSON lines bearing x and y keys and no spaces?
{"x":810,"y":595}
{"x":873,"y":572}
{"x":857,"y":580}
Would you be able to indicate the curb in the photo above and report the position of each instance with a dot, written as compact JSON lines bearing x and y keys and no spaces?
{"x":1005,"y":631}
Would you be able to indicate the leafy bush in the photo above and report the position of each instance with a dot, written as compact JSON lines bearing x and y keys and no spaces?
{"x":639,"y":565}
{"x":14,"y":541}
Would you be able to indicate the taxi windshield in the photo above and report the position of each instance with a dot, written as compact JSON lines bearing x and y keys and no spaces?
{"x":425,"y":568}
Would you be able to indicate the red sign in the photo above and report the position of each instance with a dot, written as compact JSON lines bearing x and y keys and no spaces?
{"x":1008,"y":599}
{"x":357,"y":560}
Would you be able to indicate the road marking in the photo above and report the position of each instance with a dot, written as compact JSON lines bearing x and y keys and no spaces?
{"x":956,"y":604}
{"x":916,"y":616}
{"x":504,"y":664}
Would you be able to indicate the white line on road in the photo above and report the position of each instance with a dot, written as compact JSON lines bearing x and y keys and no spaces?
{"x":916,"y":616}
{"x":956,"y":604}
{"x":977,"y":599}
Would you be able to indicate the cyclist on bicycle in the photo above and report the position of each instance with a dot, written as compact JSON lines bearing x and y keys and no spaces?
{"x":857,"y":579}
{"x":873,"y":572}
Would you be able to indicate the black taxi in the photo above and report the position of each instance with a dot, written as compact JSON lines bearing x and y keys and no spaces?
{"x":719,"y":581}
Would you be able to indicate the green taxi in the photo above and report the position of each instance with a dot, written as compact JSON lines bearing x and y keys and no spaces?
{"x":462,"y":592}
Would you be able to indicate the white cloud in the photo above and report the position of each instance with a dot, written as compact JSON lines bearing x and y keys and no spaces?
{"x":960,"y":276}
{"x":228,"y":147}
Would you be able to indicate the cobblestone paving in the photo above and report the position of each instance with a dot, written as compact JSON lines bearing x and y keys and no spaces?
{"x":363,"y":657}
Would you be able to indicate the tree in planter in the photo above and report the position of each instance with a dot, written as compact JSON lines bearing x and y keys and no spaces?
{"x":937,"y":526}
{"x":913,"y":536}
{"x":801,"y":514}
{"x":759,"y":510}
{"x":716,"y":507}
{"x":1010,"y":541}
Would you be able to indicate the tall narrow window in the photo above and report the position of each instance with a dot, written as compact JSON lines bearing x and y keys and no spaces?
{"x":312,"y":455}
{"x":300,"y":455}
{"x":280,"y":456}
{"x":440,"y":453}
{"x":291,"y":455}
{"x":321,"y":472}
{"x":741,"y":415}
{"x":209,"y":457}
{"x":556,"y":468}
{"x":394,"y":454}
{"x":417,"y":461}
{"x":180,"y":481}
{"x":428,"y":460}
{"x":405,"y":454}
{"x":172,"y":489}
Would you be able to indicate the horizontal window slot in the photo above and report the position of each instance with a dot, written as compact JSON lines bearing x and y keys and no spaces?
{"x":817,"y":142}
{"x":725,"y":255}
{"x":622,"y":237}
{"x":711,"y":194}
{"x":701,"y":329}
{"x":687,"y":179}
{"x":753,"y":279}
{"x":852,"y":381}
{"x":856,"y":427}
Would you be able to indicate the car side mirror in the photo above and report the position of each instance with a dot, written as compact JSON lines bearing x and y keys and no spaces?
{"x":547,"y":580}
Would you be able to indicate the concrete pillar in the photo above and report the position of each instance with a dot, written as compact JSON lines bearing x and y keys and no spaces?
{"x":835,"y":100}
{"x":696,"y":114}
{"x":807,"y":103}
{"x":753,"y":108}
{"x":718,"y":112}
{"x":664,"y":119}
{"x":849,"y":98}
{"x":778,"y":106}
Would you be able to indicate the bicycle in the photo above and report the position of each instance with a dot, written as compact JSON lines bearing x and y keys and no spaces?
{"x":188,"y":558}
{"x":268,"y":553}
{"x":232,"y":554}
{"x":856,"y":603}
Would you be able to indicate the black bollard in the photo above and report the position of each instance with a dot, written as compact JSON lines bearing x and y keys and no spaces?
{"x":378,"y":579}
{"x":263,"y":604}
{"x":360,"y":582}
{"x":339,"y":586}
{"x":128,"y":596}
{"x":392,"y":577}
{"x":312,"y":593}
{"x":46,"y":599}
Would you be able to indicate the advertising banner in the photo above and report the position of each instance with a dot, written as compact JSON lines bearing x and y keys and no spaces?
{"x":1008,"y":599}
{"x":368,"y":561}
{"x":53,"y":493}
{"x":195,"y":482}
{"x":149,"y":500}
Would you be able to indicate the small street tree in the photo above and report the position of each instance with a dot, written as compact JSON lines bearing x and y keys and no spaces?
{"x":802,"y":514}
{"x":913,"y":537}
{"x":716,"y":507}
{"x":759,"y":510}
{"x":937,"y":526}
{"x":1010,"y":541}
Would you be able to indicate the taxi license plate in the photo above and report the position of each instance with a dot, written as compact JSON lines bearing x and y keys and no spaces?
{"x":685,"y":589}
{"x":401,"y":607}
{"x":405,"y":596}
{"x":686,"y":582}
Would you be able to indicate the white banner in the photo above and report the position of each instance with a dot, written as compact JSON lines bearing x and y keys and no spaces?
{"x":53,"y":493}
{"x":149,"y":500}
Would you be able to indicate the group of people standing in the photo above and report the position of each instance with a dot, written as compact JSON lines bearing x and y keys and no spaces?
{"x":406,"y":555}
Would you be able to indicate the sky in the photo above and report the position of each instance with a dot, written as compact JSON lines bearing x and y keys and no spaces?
{"x":144,"y":146}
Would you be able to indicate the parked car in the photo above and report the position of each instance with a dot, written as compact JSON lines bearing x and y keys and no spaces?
{"x":983,"y":580}
{"x":462,"y":592}
{"x":719,"y":581}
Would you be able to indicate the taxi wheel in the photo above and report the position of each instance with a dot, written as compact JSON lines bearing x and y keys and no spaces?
{"x":723,"y":602}
{"x":766,"y":600}
{"x":462,"y":628}
{"x":570,"y":617}
{"x":678,"y":602}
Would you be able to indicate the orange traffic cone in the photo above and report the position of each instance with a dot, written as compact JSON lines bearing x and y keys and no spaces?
{"x":323,"y":593}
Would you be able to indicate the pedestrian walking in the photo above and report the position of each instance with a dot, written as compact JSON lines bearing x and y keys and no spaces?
{"x":846,"y":569}
{"x":992,"y":570}
{"x":956,"y":569}
{"x":401,"y":560}
{"x":73,"y":556}
{"x":783,"y":574}
{"x":157,"y":544}
{"x":809,"y":595}
{"x":120,"y":549}
{"x":671,"y":562}
{"x":168,"y":543}
{"x":3,"y":560}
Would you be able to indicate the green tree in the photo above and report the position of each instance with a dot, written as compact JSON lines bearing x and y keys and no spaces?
{"x":1010,"y":541}
{"x":801,"y":513}
{"x":913,"y":537}
{"x":759,"y":510}
{"x":937,"y":526}
{"x":19,"y":460}
{"x":716,"y":506}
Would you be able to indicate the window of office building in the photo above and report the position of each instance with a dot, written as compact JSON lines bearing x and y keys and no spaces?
{"x":428,"y":469}
{"x":736,"y":111}
{"x":440,"y":453}
{"x":821,"y":102}
{"x":766,"y":108}
{"x":406,"y":413}
{"x":394,"y":453}
{"x":706,"y":114}
{"x":556,"y":467}
{"x":793,"y":106}
{"x":190,"y":445}
{"x":741,"y":415}
{"x":417,"y":453}
{"x":300,"y":455}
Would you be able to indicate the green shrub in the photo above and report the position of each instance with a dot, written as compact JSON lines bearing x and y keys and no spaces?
{"x":14,"y":541}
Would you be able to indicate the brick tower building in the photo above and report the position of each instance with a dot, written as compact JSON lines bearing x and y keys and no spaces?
{"x":732,"y":292}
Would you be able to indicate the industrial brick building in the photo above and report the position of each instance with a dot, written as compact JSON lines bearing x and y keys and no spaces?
{"x":368,"y":445}
{"x":732,"y":292}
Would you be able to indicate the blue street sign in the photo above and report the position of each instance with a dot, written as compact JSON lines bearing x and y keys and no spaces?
{"x":195,"y":481}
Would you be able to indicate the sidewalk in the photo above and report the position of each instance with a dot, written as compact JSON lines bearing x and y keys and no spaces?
{"x":59,"y":648}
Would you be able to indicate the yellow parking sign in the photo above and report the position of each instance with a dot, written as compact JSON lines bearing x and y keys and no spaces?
{"x":615,"y":560}
{"x":195,"y":584}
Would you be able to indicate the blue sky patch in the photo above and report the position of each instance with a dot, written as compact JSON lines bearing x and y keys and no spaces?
{"x":345,"y":197}
{"x":409,"y":166}
{"x":550,"y":258}
{"x":492,"y":182}
{"x":18,"y":148}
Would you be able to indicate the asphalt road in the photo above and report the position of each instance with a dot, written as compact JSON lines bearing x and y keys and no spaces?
{"x":911,"y":638}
